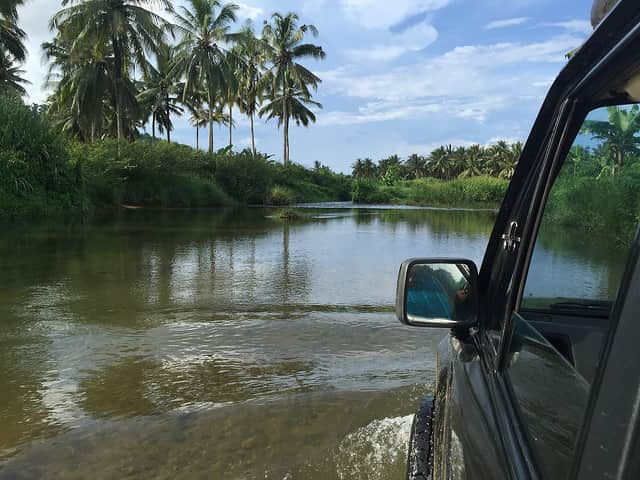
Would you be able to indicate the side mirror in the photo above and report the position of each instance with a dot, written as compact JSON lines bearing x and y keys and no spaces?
{"x":437,"y":293}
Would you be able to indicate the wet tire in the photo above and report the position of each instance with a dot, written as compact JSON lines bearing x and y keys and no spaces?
{"x":420,"y":457}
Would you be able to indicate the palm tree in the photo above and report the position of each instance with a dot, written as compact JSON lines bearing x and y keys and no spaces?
{"x":471,"y":161}
{"x":357,"y":168}
{"x":497,"y":158}
{"x":369,"y":168}
{"x":11,"y":37}
{"x":9,"y":8}
{"x":127,"y":26}
{"x":201,"y":56}
{"x":294,"y":104}
{"x":442,"y":163}
{"x":199,"y":116}
{"x":415,"y":165}
{"x":161,"y":91}
{"x":618,"y":133}
{"x":82,"y":84}
{"x":508,"y":167}
{"x":284,"y":48}
{"x":251,"y":50}
{"x":11,"y":75}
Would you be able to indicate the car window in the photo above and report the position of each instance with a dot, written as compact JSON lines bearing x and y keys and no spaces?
{"x":590,"y":218}
{"x":587,"y":228}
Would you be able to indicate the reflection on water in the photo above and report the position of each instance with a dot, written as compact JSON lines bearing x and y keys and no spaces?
{"x":221,"y":344}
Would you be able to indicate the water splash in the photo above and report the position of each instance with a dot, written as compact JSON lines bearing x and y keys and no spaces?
{"x":376,"y":451}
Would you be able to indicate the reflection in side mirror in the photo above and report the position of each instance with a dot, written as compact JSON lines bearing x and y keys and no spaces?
{"x":437,"y":293}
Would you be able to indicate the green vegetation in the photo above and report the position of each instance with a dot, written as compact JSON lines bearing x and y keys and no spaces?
{"x":458,"y":177}
{"x":464,"y":192}
{"x":43,"y":172}
{"x":289,"y":214}
{"x":37,"y":176}
{"x":597,"y":190}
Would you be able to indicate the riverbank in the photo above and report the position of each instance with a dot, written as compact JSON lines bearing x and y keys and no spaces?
{"x":46,"y":174}
{"x":473,"y":192}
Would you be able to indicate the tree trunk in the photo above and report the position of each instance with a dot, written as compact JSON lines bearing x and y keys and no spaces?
{"x":285,"y":117}
{"x":197,"y":137}
{"x":230,"y":124}
{"x":153,"y":126}
{"x":168,"y":119}
{"x":119,"y":74}
{"x":210,"y":122}
{"x":253,"y":136}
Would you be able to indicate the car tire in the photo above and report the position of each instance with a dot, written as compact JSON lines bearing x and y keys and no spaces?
{"x":420,"y":456}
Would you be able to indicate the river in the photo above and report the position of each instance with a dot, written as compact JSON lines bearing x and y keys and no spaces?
{"x":224,"y":344}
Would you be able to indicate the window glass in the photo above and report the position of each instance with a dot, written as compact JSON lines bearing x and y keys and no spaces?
{"x":590,"y":218}
{"x":587,"y":229}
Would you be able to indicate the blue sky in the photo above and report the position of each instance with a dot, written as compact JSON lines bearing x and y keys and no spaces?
{"x":401,"y":76}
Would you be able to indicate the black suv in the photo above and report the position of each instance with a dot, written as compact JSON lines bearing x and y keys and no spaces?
{"x":540,"y":376}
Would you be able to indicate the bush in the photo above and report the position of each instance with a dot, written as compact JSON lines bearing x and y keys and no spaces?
{"x":244,"y":178}
{"x":281,"y":196}
{"x":606,"y":204}
{"x":317,"y":185}
{"x":36,"y":177}
{"x":148,"y":173}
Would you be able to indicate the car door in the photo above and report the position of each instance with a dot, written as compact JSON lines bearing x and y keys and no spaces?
{"x":555,"y":320}
{"x":513,"y":400}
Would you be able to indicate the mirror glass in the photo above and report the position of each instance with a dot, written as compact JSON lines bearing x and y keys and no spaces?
{"x":442,"y":291}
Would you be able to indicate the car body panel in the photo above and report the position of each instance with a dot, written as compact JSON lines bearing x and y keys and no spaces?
{"x":478,"y":424}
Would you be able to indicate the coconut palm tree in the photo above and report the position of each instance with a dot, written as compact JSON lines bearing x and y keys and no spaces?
{"x":199,"y":117}
{"x":250,"y":77}
{"x":618,"y":134}
{"x":471,"y":161}
{"x":357,"y":168}
{"x":11,"y":37}
{"x":369,"y":168}
{"x":130,"y":29}
{"x":292,"y":103}
{"x":498,"y":158}
{"x":202,"y":58}
{"x":415,"y":165}
{"x":11,"y":75}
{"x":284,"y":48}
{"x":508,"y":167}
{"x":442,"y":163}
{"x":161,"y":91}
{"x":82,"y":83}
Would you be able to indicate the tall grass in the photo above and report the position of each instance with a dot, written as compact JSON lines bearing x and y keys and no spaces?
{"x":464,"y":192}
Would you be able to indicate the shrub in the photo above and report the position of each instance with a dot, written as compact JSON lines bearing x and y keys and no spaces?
{"x":36,"y":177}
{"x":244,"y":178}
{"x":281,"y":196}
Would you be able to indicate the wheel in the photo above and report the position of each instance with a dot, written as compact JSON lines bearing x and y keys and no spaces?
{"x":420,"y":456}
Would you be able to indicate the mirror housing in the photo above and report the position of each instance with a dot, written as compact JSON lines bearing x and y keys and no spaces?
{"x":437,"y":292}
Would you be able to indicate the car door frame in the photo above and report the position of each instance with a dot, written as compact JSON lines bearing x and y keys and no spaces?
{"x":503,"y":273}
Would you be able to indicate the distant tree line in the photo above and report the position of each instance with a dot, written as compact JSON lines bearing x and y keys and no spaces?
{"x":444,"y":163}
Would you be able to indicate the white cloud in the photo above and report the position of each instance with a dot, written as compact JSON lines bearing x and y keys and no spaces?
{"x":384,"y":13}
{"x":509,"y":22}
{"x":34,"y":20}
{"x":249,"y":11}
{"x":467,"y":82}
{"x":575,"y":26}
{"x":411,"y":40}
